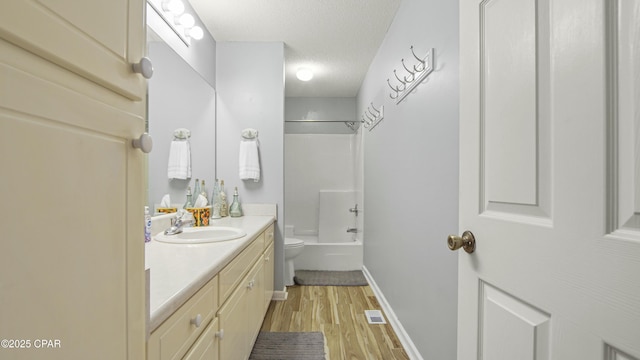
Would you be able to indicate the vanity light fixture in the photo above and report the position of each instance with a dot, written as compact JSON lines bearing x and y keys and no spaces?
{"x":304,"y":74}
{"x":182,"y":23}
{"x":175,"y":7}
{"x":186,"y":20}
{"x":196,"y":33}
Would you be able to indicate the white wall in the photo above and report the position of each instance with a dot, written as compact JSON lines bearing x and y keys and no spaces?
{"x":314,"y":162}
{"x":250,"y":88}
{"x":411,"y":178}
{"x":179,"y":98}
{"x":315,"y":108}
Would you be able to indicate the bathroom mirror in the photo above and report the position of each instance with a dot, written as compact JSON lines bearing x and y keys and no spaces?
{"x":178,"y":97}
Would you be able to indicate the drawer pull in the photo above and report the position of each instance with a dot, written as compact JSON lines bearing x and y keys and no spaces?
{"x":220,"y":334}
{"x":197,"y":321}
{"x":251,"y":284}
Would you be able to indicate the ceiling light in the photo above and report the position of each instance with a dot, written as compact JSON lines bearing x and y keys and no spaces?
{"x":196,"y":32}
{"x":304,"y":74}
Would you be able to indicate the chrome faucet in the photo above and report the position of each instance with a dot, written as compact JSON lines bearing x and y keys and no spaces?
{"x":177,"y":223}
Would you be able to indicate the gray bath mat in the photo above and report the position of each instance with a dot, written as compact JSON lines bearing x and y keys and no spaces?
{"x":288,"y":346}
{"x":330,"y":278}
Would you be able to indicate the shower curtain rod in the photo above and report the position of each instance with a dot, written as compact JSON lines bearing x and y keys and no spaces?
{"x":337,"y":121}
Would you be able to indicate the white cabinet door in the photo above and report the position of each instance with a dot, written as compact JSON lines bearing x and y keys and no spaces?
{"x":234,"y":323}
{"x":550,"y":179}
{"x":255,"y":303}
{"x":95,"y":39}
{"x":71,"y":249}
{"x":269,"y":270}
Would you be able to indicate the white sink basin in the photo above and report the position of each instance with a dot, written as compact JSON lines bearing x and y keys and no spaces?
{"x":196,"y":235}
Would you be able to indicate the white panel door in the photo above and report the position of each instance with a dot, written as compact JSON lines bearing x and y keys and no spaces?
{"x":550,"y":179}
{"x":71,"y":245}
{"x":95,"y":39}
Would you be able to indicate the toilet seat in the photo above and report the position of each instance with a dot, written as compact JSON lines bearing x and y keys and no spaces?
{"x":293,"y":242}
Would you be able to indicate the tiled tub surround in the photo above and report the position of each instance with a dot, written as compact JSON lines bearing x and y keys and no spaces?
{"x":178,"y":271}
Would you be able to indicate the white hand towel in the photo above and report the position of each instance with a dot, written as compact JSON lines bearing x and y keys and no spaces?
{"x":179,"y":160}
{"x":249,"y":160}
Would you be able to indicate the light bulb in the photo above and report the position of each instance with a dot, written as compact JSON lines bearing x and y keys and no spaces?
{"x":175,"y":7}
{"x":196,"y":32}
{"x":186,"y":20}
{"x":304,"y":74}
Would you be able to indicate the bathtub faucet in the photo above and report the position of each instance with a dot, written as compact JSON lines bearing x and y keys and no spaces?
{"x":352,"y":230}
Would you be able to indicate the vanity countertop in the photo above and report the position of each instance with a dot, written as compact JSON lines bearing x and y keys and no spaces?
{"x":177,"y":271}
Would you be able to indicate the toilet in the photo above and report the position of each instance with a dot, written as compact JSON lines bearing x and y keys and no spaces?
{"x":292,"y":248}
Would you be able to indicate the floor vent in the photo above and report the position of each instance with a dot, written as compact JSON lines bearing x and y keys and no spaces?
{"x":374,"y":317}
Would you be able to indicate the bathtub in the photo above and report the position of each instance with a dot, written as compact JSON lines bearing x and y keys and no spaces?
{"x":329,"y":256}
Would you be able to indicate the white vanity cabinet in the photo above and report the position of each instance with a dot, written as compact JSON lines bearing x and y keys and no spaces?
{"x":223,"y":318}
{"x":242,"y":313}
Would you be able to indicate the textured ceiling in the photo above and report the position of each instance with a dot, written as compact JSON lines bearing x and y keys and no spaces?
{"x":337,"y":39}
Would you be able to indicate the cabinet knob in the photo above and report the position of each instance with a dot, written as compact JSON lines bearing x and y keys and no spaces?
{"x":197,"y":321}
{"x":266,"y":259}
{"x":251,"y":284}
{"x":220,"y":334}
{"x":144,"y":143}
{"x":144,"y":67}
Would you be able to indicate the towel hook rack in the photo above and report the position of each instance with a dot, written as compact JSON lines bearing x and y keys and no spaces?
{"x":421,"y":61}
{"x":372,"y":116}
{"x":412,"y":74}
{"x":394,"y":89}
{"x":415,"y":75}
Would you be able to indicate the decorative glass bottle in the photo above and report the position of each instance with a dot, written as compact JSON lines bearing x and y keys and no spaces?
{"x":222,"y":199}
{"x":189,"y":202}
{"x":215,"y":202}
{"x":196,"y":191}
{"x":235,"y":210}
{"x":203,"y":190}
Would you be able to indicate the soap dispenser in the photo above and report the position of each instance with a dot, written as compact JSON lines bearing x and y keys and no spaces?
{"x":235,"y":210}
{"x":147,"y":225}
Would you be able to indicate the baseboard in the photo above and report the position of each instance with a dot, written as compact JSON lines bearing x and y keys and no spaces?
{"x":404,"y":338}
{"x":280,"y":295}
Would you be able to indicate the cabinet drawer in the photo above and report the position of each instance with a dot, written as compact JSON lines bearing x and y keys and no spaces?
{"x":268,"y":236}
{"x":207,"y":345}
{"x":231,"y":275}
{"x":174,"y":337}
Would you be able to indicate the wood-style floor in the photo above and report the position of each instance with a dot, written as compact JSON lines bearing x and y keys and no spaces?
{"x":338,"y":312}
